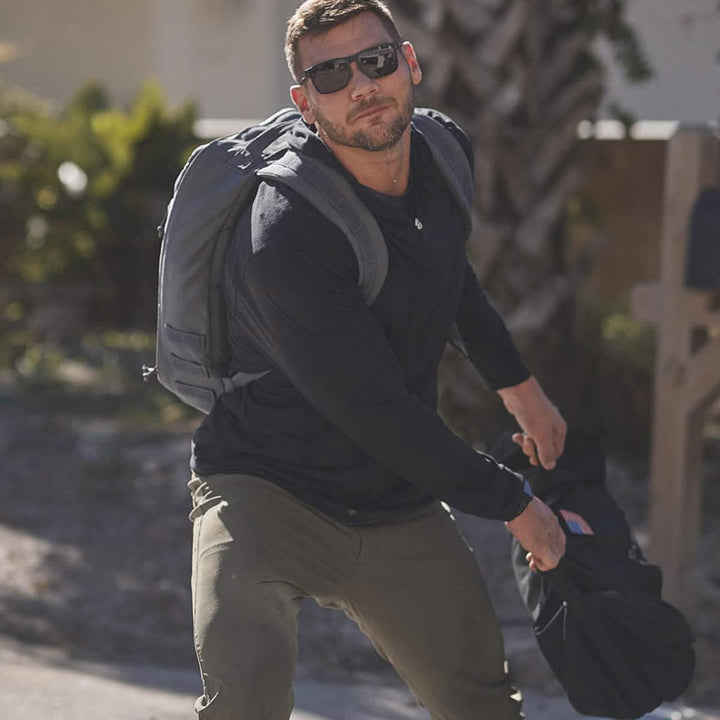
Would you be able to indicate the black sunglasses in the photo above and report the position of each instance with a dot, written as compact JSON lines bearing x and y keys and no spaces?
{"x":333,"y":75}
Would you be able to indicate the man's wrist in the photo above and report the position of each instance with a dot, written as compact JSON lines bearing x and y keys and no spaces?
{"x":515,"y":396}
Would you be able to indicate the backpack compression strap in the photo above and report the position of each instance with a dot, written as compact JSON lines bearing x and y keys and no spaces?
{"x":333,"y":196}
{"x":450,"y":159}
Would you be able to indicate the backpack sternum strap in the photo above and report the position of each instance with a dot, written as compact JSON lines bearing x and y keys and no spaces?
{"x":333,"y":196}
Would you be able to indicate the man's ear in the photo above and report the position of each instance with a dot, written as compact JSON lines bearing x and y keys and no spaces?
{"x":409,"y":52}
{"x":299,"y":98}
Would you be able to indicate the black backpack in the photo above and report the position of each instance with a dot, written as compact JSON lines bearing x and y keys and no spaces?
{"x":614,"y":645}
{"x":216,"y":185}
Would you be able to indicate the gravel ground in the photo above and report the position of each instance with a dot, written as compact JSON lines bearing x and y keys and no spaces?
{"x":43,"y":684}
{"x":95,"y":558}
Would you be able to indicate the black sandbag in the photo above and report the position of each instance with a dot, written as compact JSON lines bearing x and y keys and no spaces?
{"x":614,"y":645}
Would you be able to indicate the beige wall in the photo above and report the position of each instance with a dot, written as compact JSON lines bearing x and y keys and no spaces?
{"x":63,"y":43}
{"x":225,"y":54}
{"x":228,"y":54}
{"x":682,"y":41}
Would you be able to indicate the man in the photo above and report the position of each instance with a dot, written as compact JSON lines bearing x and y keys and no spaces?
{"x":323,"y":478}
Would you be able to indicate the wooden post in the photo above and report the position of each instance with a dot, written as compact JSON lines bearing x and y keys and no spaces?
{"x":685,"y":382}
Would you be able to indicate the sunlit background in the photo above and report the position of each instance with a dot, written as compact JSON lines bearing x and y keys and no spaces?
{"x":570,"y":107}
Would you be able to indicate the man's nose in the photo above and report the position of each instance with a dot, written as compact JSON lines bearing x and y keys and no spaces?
{"x":360,"y":84}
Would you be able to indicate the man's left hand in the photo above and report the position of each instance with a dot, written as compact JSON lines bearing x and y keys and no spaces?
{"x":543,"y":427}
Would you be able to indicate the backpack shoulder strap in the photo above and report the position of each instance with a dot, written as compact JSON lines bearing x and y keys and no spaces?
{"x":450,"y":159}
{"x":333,"y":196}
{"x":453,"y":164}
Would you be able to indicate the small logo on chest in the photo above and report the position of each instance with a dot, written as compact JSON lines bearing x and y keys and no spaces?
{"x":418,"y":224}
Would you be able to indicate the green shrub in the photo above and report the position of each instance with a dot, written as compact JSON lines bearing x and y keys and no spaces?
{"x":98,"y":374}
{"x":614,"y":360}
{"x":81,"y":193}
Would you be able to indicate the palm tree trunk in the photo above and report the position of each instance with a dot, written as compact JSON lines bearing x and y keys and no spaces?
{"x":518,"y":76}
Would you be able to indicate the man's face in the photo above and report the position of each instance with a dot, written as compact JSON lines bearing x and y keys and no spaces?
{"x":370,"y":114}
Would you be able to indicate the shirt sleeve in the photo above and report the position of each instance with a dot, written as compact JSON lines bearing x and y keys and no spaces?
{"x":309,"y":316}
{"x":486,"y":339}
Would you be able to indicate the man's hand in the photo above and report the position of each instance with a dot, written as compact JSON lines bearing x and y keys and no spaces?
{"x":538,"y":530}
{"x":544,"y":430}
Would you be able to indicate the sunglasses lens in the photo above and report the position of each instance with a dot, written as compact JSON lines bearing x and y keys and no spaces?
{"x":378,"y":62}
{"x":331,"y":76}
{"x":334,"y":75}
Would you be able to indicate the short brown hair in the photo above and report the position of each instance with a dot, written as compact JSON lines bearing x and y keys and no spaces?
{"x":314,"y":17}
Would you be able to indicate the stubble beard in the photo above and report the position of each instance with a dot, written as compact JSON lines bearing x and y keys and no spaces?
{"x":373,"y":139}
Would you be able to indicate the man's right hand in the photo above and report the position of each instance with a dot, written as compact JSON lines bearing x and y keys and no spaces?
{"x":538,"y":530}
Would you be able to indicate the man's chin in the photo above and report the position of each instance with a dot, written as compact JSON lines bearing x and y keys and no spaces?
{"x":374,"y":133}
{"x":378,"y":146}
{"x":380,"y":137}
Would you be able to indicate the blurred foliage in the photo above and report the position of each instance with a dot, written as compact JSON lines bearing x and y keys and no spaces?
{"x":613,"y":376}
{"x":607,"y":19}
{"x":81,"y":193}
{"x":98,"y":373}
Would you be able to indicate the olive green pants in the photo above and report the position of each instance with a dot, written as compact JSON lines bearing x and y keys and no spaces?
{"x":412,"y":586}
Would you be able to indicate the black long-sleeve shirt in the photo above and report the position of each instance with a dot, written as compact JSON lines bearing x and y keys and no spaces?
{"x":347,"y":418}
